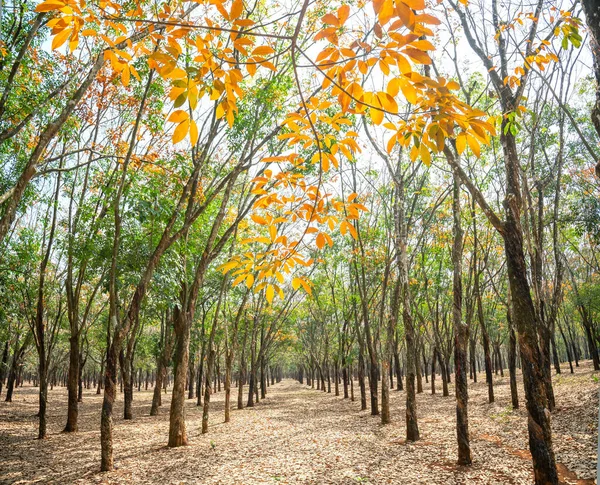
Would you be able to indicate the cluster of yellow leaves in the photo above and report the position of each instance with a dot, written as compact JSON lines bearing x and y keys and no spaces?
{"x":269,"y":269}
{"x":68,"y":24}
{"x":399,"y":44}
{"x":217,"y":54}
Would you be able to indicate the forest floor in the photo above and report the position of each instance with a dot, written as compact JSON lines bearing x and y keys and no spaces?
{"x":300,"y":435}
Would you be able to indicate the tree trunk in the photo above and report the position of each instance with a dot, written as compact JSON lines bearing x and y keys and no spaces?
{"x":3,"y":365}
{"x":512,"y":360}
{"x":106,"y":419}
{"x":209,"y":371}
{"x":177,"y":431}
{"x":461,"y":331}
{"x":361,"y":380}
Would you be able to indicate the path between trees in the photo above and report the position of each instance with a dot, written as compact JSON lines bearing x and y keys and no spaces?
{"x":299,"y":435}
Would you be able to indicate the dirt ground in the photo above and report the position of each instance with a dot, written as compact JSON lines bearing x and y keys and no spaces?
{"x":302,"y":436}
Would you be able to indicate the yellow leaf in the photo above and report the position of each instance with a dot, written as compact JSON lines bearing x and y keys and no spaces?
{"x":249,"y":281}
{"x":376,"y":116}
{"x":238,"y":280}
{"x":270,"y":293}
{"x":461,"y":143}
{"x":193,"y":132}
{"x":125,"y":76}
{"x":393,"y":87}
{"x":423,"y":45}
{"x":352,"y":230}
{"x":474,"y":145}
{"x":425,"y":155}
{"x":178,"y":116}
{"x":417,"y":55}
{"x":60,"y":38}
{"x":387,"y":102}
{"x":181,"y":131}
{"x":228,"y":266}
{"x":409,"y":91}
{"x":258,"y":219}
{"x":325,"y":162}
{"x":273,"y":232}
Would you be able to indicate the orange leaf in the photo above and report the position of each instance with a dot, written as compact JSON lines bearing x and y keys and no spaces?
{"x":343,"y":13}
{"x":320,"y":240}
{"x":263,"y":50}
{"x":237,"y":7}
{"x":415,"y":4}
{"x":49,"y":5}
{"x":331,"y":19}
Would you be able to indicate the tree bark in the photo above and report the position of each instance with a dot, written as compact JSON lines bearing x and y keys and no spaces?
{"x":182,"y":327}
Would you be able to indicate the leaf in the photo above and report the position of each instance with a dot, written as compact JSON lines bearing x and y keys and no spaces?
{"x":376,"y":116}
{"x":60,"y":38}
{"x":331,"y":19}
{"x":181,"y":131}
{"x":237,"y":7}
{"x":273,"y":232}
{"x":228,"y":266}
{"x":343,"y":13}
{"x":193,"y":132}
{"x":238,"y":280}
{"x":125,"y":76}
{"x":49,"y":5}
{"x":393,"y":87}
{"x":474,"y":145}
{"x":270,"y":293}
{"x":409,"y":91}
{"x":461,"y":143}
{"x":263,"y":50}
{"x":259,"y":219}
{"x":415,"y":4}
{"x":320,"y":240}
{"x":425,"y":155}
{"x":249,"y":281}
{"x":417,"y":55}
{"x":423,"y":45}
{"x":178,"y":116}
{"x":352,"y":230}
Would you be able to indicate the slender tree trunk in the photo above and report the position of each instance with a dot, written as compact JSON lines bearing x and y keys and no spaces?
{"x":209,"y":371}
{"x":106,"y":420}
{"x":512,"y":360}
{"x":433,"y":358}
{"x":385,"y":392}
{"x":461,"y":332}
{"x":72,"y":406}
{"x":361,"y":381}
{"x":399,"y":386}
{"x":3,"y":365}
{"x":177,"y":430}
